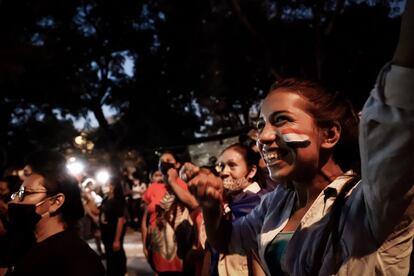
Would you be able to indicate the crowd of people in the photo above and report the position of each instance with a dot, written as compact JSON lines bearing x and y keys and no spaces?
{"x":315,"y":189}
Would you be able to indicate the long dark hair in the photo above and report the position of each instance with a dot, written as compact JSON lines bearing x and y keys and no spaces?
{"x":118,"y":190}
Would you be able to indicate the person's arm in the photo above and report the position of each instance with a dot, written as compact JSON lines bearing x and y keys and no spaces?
{"x":218,"y":228}
{"x":119,"y":229}
{"x":208,"y":190}
{"x":144,"y":231}
{"x":93,"y":214}
{"x":184,"y":195}
{"x":120,"y":211}
{"x":126,"y":187}
{"x":387,"y":141}
{"x":404,"y":53}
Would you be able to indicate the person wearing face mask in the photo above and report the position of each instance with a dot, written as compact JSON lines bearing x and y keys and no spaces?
{"x":112,"y":220}
{"x":324,"y":219}
{"x":168,"y":205}
{"x":8,"y":185}
{"x":20,"y":239}
{"x":237,"y":166}
{"x":156,"y":179}
{"x":48,"y":204}
{"x":91,"y":202}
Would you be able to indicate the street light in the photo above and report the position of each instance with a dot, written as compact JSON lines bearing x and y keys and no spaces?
{"x":103,"y":176}
{"x":80,"y":140}
{"x":75,"y":167}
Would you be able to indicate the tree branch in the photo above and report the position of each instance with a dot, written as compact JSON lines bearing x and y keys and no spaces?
{"x":251,"y":29}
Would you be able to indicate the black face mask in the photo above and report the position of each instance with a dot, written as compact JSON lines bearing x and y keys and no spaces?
{"x":165,"y":166}
{"x":23,"y":216}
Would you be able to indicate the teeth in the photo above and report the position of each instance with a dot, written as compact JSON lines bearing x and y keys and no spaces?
{"x":269,"y":156}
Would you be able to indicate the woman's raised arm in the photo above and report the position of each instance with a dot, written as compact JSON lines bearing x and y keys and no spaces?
{"x":387,"y":139}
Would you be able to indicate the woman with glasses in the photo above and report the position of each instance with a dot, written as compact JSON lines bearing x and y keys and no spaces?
{"x":48,"y":205}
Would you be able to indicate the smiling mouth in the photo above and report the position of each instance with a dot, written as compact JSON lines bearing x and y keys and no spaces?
{"x":273,"y":156}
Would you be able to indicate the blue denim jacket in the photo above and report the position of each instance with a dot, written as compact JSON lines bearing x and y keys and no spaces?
{"x":376,"y":228}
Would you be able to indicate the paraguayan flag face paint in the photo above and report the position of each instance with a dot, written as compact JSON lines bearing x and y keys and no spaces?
{"x":287,"y":140}
{"x":293,"y":137}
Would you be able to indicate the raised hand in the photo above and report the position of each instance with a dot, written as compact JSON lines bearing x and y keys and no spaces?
{"x":172,"y":175}
{"x":188,"y":171}
{"x":207,"y":188}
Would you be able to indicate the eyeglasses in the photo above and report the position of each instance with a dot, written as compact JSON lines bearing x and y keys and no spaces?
{"x":21,"y":193}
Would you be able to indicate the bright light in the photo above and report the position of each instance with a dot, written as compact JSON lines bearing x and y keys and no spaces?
{"x":102,"y":176}
{"x":80,"y":140}
{"x":89,"y":145}
{"x":75,"y":168}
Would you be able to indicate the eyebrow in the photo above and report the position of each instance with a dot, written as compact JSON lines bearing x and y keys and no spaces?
{"x":35,"y":189}
{"x":275,"y":113}
{"x":227,"y":162}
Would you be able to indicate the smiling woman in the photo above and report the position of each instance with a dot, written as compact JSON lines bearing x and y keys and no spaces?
{"x":300,"y":127}
{"x":325,"y":220}
{"x":300,"y":119}
{"x":237,"y":166}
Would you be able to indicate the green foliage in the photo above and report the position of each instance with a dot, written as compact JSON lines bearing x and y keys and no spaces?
{"x":198,"y":65}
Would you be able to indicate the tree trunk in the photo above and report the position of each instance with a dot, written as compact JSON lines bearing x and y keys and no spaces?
{"x":103,"y":125}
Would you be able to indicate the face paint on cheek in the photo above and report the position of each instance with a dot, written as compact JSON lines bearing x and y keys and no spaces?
{"x":294,"y":138}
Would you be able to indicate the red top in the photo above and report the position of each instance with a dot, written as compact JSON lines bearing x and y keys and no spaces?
{"x":164,"y":254}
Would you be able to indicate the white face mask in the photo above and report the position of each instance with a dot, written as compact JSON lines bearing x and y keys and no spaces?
{"x":235,"y":184}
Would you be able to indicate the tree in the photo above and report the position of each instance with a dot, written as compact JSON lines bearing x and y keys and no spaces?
{"x":199,"y":66}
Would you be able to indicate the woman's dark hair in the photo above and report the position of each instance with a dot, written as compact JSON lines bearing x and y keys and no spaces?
{"x":46,"y":161}
{"x":72,"y":209}
{"x":176,"y":157}
{"x":151,"y":174}
{"x":326,"y":108}
{"x":118,"y":191}
{"x":52,"y":166}
{"x":251,"y":158}
{"x":246,"y":140}
{"x":13,"y":183}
